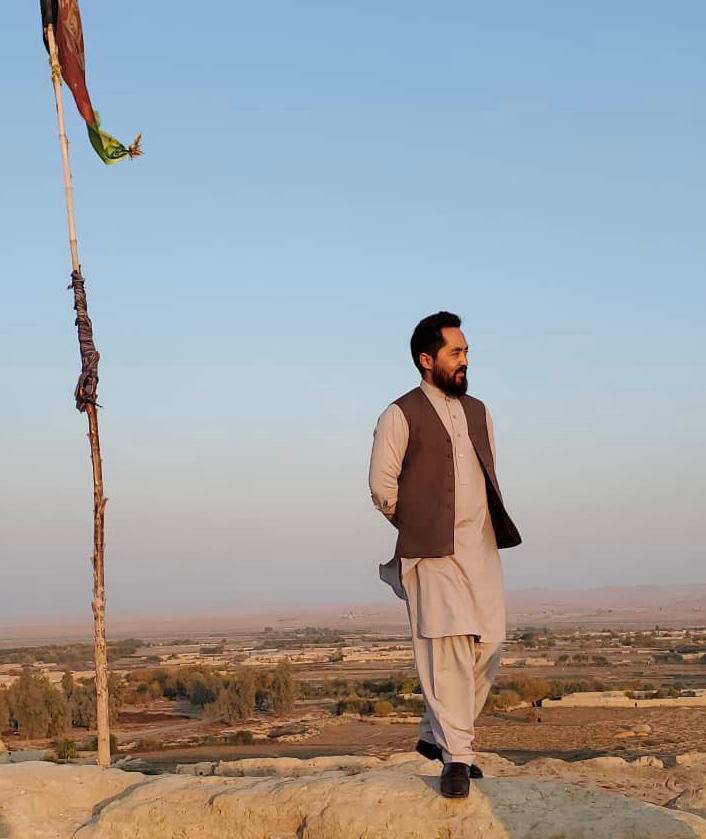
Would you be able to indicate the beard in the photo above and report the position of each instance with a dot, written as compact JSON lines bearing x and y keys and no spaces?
{"x":452,"y":384}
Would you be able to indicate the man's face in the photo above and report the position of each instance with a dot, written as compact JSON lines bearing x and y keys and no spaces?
{"x":448,"y":370}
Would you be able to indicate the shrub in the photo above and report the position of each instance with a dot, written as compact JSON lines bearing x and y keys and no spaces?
{"x":234,"y":738}
{"x":531,"y":690}
{"x":501,"y":701}
{"x":240,"y":738}
{"x":413,"y":706}
{"x":563,"y":687}
{"x":666,"y":693}
{"x":90,"y":744}
{"x":65,"y":749}
{"x":150,"y":744}
{"x":4,"y":710}
{"x":383,"y":708}
{"x":354,"y":705}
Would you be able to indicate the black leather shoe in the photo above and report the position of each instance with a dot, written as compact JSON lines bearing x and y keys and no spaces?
{"x":455,"y":780}
{"x":432,"y":752}
{"x":429,"y":750}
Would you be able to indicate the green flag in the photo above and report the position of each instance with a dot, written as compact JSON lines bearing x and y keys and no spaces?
{"x":107,"y":147}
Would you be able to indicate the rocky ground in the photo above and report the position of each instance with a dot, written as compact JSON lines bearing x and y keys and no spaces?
{"x":580,"y":773}
{"x":357,"y":796}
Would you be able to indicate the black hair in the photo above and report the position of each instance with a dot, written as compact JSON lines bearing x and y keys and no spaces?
{"x":427,"y":337}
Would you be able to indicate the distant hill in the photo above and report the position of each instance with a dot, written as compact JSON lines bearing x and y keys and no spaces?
{"x":639,"y":606}
{"x":643,"y":605}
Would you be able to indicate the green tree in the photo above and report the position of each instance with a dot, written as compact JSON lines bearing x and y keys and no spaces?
{"x":235,"y":701}
{"x":59,"y":710}
{"x":4,"y":710}
{"x":67,"y":683}
{"x":27,"y":706}
{"x":284,"y":689}
{"x":201,"y":693}
{"x":38,"y":708}
{"x":83,"y":704}
{"x":83,"y":701}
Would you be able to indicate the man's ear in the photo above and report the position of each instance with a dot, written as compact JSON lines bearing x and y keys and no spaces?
{"x":426,"y":361}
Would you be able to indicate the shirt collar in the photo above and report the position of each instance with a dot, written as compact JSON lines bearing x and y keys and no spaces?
{"x":435,"y":393}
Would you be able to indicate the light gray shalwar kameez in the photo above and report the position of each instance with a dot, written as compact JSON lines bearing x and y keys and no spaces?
{"x":456,"y":603}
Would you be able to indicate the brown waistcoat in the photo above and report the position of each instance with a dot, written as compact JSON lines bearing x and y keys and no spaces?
{"x":426,"y":486}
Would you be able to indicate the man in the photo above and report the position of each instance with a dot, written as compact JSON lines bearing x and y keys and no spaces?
{"x":432,"y":474}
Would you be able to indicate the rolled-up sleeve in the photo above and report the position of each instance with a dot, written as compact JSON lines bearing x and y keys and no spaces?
{"x":389,"y":446}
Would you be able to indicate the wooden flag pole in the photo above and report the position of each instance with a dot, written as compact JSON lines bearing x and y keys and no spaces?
{"x":99,"y":500}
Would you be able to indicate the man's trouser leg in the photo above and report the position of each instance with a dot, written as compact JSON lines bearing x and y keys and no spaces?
{"x":456,"y":673}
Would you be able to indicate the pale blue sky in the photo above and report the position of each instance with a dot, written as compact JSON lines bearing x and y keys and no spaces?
{"x":317,"y":177}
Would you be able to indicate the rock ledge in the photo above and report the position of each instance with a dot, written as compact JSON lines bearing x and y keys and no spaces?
{"x":398,"y":799}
